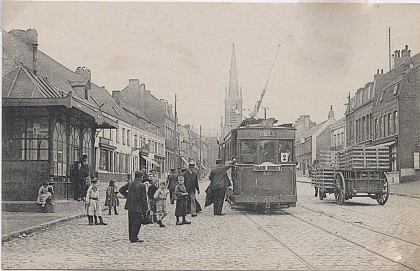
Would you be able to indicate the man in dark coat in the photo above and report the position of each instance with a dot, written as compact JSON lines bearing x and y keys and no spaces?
{"x":172,"y":181}
{"x":219,"y":181}
{"x":136,"y":204}
{"x":191,"y":184}
{"x":84,"y":172}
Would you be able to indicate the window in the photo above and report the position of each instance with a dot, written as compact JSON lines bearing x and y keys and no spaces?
{"x":135,"y":141}
{"x":248,"y":151}
{"x":123,"y":136}
{"x":385,"y":125}
{"x":128,"y":138}
{"x":389,"y":123}
{"x":285,"y":151}
{"x":74,"y":143}
{"x":117,"y":138}
{"x":381,"y":96}
{"x":351,"y":129}
{"x":395,"y":122}
{"x":381,"y":125}
{"x":87,"y":144}
{"x":104,"y":160}
{"x":342,"y":138}
{"x":376,"y":129}
{"x":59,"y":150}
{"x":396,"y":89}
{"x":363,"y":128}
{"x":267,"y":151}
{"x":110,"y":134}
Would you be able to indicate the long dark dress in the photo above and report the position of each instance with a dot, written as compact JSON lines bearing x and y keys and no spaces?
{"x":111,"y":199}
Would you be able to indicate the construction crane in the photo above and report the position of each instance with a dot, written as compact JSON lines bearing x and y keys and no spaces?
{"x":258,"y":104}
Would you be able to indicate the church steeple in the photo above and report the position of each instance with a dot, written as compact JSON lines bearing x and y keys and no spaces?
{"x":233,"y":99}
{"x":233,"y":93}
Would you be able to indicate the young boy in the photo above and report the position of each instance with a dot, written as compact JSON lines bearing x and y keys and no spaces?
{"x":181,"y":197}
{"x":151,"y":195}
{"x":45,"y":193}
{"x":160,"y":197}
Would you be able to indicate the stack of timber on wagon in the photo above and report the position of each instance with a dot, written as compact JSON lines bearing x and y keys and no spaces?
{"x":324,"y":169}
{"x":360,"y":172}
{"x":361,"y":157}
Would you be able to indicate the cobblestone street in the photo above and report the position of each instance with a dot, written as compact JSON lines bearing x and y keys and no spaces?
{"x":316,"y":235}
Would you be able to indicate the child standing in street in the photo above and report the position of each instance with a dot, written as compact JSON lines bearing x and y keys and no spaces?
{"x":45,"y":193}
{"x":181,"y":197}
{"x":111,"y":197}
{"x":93,"y":204}
{"x":160,"y":197}
{"x":151,"y":195}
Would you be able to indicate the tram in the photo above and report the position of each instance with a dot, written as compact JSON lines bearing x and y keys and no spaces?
{"x":264,"y":176}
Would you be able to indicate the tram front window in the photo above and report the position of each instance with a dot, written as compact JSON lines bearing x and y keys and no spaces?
{"x":268,"y":151}
{"x":285,"y":151}
{"x":249,"y":151}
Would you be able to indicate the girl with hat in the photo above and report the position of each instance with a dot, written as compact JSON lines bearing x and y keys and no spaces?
{"x":111,"y":197}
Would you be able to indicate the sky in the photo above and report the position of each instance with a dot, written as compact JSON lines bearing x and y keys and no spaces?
{"x":327,"y":50}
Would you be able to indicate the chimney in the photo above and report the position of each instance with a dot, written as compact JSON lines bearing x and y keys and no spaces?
{"x":382,"y":71}
{"x":30,"y":38}
{"x":116,"y":94}
{"x":85,"y":73}
{"x":133,"y":82}
{"x":331,"y":113}
{"x":142,"y":98}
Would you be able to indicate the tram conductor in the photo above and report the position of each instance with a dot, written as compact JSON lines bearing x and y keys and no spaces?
{"x":219,"y":182}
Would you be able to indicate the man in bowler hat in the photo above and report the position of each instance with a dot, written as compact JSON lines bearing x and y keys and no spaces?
{"x":136,"y":204}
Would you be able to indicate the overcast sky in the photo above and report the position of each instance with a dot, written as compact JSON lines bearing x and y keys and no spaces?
{"x":327,"y":50}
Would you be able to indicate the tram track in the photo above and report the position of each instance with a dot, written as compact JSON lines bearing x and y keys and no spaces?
{"x":370,"y":215}
{"x":359,"y":226}
{"x":350,"y":241}
{"x":277,"y":241}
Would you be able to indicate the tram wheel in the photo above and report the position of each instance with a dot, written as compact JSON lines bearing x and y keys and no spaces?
{"x":339,"y":188}
{"x":383,"y":197}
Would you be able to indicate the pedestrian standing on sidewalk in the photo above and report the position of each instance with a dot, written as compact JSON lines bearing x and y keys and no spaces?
{"x":151,"y":195}
{"x":172,"y":181}
{"x":181,"y":197}
{"x":219,"y":181}
{"x":191,"y":184}
{"x":45,"y":193}
{"x":160,"y":197}
{"x":136,"y":204}
{"x":84,"y":171}
{"x":93,"y":204}
{"x":112,"y":200}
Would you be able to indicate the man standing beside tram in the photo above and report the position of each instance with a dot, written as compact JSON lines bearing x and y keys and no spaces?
{"x":219,"y":182}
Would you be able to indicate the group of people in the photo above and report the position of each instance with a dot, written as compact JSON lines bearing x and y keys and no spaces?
{"x":147,"y":195}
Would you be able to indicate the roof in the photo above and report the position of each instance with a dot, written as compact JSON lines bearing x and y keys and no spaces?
{"x":310,"y":131}
{"x":23,"y":83}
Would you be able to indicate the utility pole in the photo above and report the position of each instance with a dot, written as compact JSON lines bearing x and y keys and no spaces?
{"x":389,"y":47}
{"x":200,"y":144}
{"x":176,"y":137}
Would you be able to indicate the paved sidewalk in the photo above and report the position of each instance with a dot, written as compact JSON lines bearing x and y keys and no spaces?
{"x":411,"y":189}
{"x":19,"y":224}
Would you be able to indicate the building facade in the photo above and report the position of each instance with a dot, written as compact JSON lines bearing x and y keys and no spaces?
{"x":310,"y":142}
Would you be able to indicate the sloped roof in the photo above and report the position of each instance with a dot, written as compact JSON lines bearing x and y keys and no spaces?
{"x":310,"y":131}
{"x":23,"y":83}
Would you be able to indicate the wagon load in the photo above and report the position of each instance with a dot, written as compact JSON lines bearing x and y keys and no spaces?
{"x":360,"y":157}
{"x":359,"y":172}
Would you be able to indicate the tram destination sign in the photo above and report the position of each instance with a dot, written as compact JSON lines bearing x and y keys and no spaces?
{"x":267,"y":166}
{"x":266,"y":133}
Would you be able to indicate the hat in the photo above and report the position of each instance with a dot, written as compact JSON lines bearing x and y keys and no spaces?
{"x":218,"y":161}
{"x":94,"y":180}
{"x":84,"y":156}
{"x":153,"y":170}
{"x":172,"y":169}
{"x":191,"y":164}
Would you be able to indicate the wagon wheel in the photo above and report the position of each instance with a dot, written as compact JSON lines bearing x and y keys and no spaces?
{"x":316,"y":191}
{"x":321,"y":193}
{"x":383,"y":197}
{"x":340,"y":188}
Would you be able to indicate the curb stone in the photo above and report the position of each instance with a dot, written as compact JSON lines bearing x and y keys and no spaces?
{"x":46,"y":225}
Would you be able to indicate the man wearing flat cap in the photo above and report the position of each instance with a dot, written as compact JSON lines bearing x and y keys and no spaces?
{"x":219,"y":181}
{"x":191,"y":184}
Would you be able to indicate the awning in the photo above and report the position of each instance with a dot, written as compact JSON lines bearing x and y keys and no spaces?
{"x":149,"y":160}
{"x":185,"y":160}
